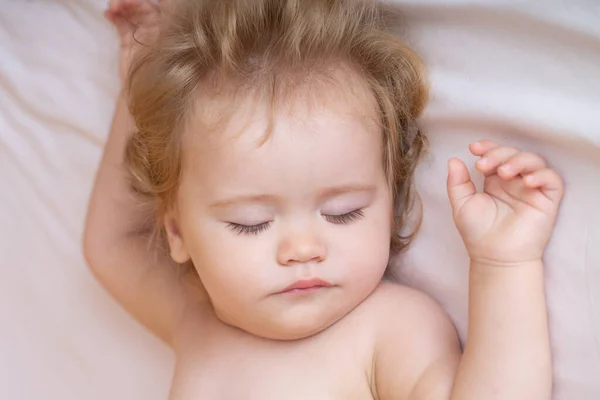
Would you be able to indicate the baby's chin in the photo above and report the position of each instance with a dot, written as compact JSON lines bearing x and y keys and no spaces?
{"x":289,"y":327}
{"x":297,"y":331}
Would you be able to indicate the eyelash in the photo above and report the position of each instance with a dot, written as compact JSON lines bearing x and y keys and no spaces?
{"x":345,"y":218}
{"x":334,"y":219}
{"x":248,"y":229}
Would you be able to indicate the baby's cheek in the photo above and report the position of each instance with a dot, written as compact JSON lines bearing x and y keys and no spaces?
{"x":367,"y":253}
{"x":242,"y":263}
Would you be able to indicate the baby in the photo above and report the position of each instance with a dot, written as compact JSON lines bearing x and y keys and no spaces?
{"x":275,"y":141}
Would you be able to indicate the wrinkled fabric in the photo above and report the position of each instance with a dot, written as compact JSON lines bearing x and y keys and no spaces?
{"x":518,"y":72}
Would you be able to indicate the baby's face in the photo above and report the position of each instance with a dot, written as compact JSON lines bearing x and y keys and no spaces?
{"x":290,"y":234}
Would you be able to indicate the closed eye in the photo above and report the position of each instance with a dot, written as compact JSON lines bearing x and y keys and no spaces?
{"x":248,"y":229}
{"x":344,"y":218}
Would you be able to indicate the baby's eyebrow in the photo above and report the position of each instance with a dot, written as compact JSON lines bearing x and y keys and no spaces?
{"x":324,"y":193}
{"x":242,"y":199}
{"x":333,"y":191}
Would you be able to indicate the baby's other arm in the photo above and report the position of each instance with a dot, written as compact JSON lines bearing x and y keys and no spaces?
{"x":505,"y":229}
{"x":144,"y":280}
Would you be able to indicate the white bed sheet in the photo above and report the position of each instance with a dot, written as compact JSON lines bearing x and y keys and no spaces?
{"x":524,"y":72}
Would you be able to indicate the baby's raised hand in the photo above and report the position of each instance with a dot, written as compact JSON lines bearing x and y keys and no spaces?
{"x":511,"y":221}
{"x":137,"y":23}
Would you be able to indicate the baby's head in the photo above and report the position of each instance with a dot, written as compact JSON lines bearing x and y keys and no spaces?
{"x":277,"y":139}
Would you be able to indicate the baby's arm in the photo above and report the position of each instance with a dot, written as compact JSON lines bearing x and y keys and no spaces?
{"x":143,"y":280}
{"x":505,"y":230}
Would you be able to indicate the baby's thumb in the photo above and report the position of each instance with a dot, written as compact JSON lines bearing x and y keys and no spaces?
{"x":460,"y":186}
{"x":124,"y":27}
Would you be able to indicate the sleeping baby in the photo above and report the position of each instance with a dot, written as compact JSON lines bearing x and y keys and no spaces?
{"x":256,"y":181}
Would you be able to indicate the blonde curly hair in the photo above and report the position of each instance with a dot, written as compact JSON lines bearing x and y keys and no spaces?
{"x":250,"y":42}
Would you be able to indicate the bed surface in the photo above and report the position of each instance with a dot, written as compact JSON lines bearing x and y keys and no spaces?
{"x":517,"y":73}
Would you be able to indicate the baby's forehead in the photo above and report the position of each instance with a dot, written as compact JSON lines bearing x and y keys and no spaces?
{"x":326,"y":122}
{"x":222,"y":107}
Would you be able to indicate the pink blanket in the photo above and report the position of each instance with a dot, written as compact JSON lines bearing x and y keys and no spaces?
{"x":524,"y":73}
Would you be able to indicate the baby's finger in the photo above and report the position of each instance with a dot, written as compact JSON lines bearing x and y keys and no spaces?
{"x":111,"y":5}
{"x":460,"y":186}
{"x":482,"y":146}
{"x":548,"y":181}
{"x":155,"y":4}
{"x":124,"y":27}
{"x":521,"y":163}
{"x":492,"y":159}
{"x":140,"y":12}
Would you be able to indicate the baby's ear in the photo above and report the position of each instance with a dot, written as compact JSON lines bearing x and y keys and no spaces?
{"x":177,"y":248}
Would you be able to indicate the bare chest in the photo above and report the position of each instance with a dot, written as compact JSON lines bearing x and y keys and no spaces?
{"x":227,"y":364}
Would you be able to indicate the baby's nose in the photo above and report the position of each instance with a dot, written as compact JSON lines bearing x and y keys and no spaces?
{"x":301,"y":248}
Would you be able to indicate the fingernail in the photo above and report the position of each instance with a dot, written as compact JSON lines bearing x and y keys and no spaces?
{"x":505,"y":168}
{"x":482,"y":161}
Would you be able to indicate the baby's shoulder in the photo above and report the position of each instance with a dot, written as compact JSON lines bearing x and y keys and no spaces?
{"x":413,"y":339}
{"x":395,"y":303}
{"x":402,"y":316}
